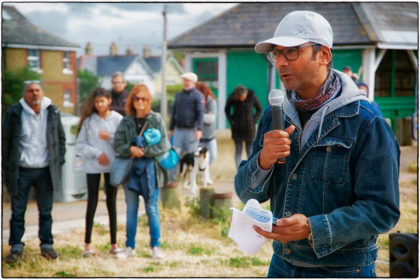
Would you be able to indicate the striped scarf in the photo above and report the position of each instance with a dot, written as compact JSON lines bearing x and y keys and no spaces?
{"x":328,"y":91}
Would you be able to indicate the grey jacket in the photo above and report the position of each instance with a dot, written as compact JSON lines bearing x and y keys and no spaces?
{"x":11,"y":131}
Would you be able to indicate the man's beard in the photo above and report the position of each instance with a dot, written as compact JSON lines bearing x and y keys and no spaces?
{"x":36,"y":102}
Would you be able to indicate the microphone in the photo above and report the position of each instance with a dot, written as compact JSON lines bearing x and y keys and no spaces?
{"x":276,"y":99}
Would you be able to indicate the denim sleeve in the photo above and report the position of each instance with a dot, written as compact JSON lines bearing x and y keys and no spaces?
{"x":250,"y":180}
{"x":374,"y":164}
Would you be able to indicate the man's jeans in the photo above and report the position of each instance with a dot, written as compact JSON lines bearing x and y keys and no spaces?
{"x":184,"y":141}
{"x":238,"y":151}
{"x":280,"y":268}
{"x":132,"y":201}
{"x":40,"y":178}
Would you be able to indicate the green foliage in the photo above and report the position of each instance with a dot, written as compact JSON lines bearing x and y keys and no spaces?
{"x":195,"y":251}
{"x":129,"y":86}
{"x":178,"y":55}
{"x":70,"y":252}
{"x":256,"y":261}
{"x":193,"y":206}
{"x":239,"y":262}
{"x":64,"y":274}
{"x":13,"y":85}
{"x":87,"y":82}
{"x":103,"y":247}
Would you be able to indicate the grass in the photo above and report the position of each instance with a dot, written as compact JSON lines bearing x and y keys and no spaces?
{"x":193,"y":247}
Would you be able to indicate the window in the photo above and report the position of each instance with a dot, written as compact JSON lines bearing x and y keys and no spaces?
{"x":67,"y":99}
{"x":66,"y":63}
{"x":33,"y":59}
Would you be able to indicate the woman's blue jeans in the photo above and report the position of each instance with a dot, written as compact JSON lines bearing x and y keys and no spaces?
{"x":132,"y":201}
{"x":280,"y":268}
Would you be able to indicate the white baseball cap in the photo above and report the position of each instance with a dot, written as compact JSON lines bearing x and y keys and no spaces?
{"x":190,"y":76}
{"x":297,"y":28}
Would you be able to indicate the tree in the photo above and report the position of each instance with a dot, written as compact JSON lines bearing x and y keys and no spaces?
{"x":87,"y":82}
{"x":13,"y":85}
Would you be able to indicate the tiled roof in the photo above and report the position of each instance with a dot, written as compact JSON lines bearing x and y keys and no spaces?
{"x":154,"y":63}
{"x":17,"y":30}
{"x":108,"y":65}
{"x":246,"y":24}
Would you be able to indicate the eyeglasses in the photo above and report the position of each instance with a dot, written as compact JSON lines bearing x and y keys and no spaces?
{"x":290,"y":54}
{"x":143,"y":99}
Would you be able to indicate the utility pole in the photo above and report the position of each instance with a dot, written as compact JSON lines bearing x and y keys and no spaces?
{"x":163,"y":101}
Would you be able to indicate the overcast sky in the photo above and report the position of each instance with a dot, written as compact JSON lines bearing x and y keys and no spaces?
{"x":126,"y":24}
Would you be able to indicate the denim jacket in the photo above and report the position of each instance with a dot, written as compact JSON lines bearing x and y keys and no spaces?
{"x":342,"y":174}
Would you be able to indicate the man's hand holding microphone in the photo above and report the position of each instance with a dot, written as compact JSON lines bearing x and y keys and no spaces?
{"x":276,"y":145}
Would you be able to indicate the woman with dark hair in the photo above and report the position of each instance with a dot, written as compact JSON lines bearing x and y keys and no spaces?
{"x":147,"y":175}
{"x":242,"y":119}
{"x":95,"y":136}
{"x":209,"y":124}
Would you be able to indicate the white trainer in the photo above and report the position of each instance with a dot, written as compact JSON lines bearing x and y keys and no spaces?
{"x":126,"y":252}
{"x":156,"y":253}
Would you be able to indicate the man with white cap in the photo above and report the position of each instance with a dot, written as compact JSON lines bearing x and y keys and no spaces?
{"x":186,"y":124}
{"x":338,"y":188}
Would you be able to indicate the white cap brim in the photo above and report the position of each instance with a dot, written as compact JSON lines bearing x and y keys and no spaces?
{"x":284,"y":41}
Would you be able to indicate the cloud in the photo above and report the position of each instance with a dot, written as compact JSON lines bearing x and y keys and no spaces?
{"x":133,"y":24}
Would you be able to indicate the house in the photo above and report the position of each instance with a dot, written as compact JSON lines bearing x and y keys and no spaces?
{"x":379,"y":40}
{"x":133,"y":66}
{"x":136,"y":68}
{"x":52,"y":57}
{"x":173,"y":70}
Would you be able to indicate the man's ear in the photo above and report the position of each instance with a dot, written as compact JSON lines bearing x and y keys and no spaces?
{"x":325,"y":55}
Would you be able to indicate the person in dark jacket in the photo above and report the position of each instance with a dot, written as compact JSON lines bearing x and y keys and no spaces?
{"x":118,"y":93}
{"x":33,"y":148}
{"x":186,"y":126}
{"x":242,"y":119}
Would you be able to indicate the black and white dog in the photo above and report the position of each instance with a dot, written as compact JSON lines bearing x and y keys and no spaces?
{"x":192,"y":164}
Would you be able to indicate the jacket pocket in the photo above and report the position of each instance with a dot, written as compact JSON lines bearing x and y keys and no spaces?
{"x":329,"y":161}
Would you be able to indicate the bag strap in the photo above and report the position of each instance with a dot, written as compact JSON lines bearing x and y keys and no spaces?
{"x":143,"y":128}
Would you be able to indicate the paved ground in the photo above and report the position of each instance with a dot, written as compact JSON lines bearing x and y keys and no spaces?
{"x":69,"y":215}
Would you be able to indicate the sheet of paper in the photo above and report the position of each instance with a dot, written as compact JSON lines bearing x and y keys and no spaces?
{"x":241,"y":231}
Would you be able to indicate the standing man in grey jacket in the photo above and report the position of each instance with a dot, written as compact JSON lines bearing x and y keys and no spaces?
{"x":186,"y":124}
{"x":33,"y":148}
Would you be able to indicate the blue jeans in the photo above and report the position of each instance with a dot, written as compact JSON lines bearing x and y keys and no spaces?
{"x":184,"y":141}
{"x":41,"y":180}
{"x":238,"y":150}
{"x":132,"y":201}
{"x":281,"y":268}
{"x":212,"y":145}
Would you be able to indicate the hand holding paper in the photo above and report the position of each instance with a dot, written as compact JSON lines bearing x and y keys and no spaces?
{"x":241,"y":231}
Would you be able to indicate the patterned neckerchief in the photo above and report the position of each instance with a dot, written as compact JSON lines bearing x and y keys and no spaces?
{"x":328,"y":91}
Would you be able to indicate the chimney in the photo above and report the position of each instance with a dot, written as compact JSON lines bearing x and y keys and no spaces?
{"x":113,"y":49}
{"x":88,"y":49}
{"x":129,"y":51}
{"x":146,"y":51}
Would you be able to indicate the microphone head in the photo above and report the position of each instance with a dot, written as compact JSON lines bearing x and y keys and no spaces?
{"x":276,"y":97}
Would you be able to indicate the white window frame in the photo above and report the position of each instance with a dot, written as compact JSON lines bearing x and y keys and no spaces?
{"x":66,"y":63}
{"x":67,"y":98}
{"x":34,"y":57}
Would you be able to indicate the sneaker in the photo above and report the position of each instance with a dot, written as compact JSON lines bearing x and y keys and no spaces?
{"x":88,"y":253}
{"x":13,"y":257}
{"x":116,"y":251}
{"x":49,"y":253}
{"x":156,"y":253}
{"x":126,"y":252}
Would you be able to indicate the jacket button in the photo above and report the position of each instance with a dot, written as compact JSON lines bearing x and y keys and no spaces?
{"x":288,"y":213}
{"x":328,"y":149}
{"x":287,"y":251}
{"x":294,"y":176}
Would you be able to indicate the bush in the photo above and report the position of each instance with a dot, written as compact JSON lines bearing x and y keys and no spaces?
{"x":13,"y":85}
